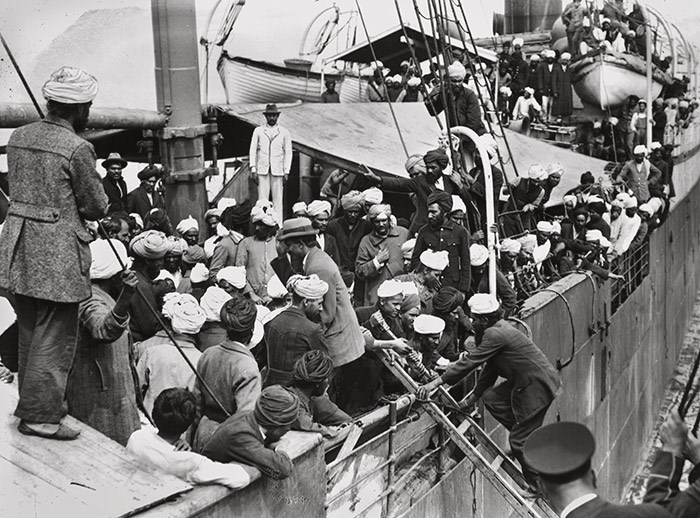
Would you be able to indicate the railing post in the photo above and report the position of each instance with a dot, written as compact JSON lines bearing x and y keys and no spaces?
{"x":391,"y":468}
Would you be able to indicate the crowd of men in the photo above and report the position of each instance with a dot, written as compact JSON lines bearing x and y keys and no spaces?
{"x":219,"y":336}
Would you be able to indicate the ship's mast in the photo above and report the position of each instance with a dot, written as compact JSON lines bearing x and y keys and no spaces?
{"x":178,"y":95}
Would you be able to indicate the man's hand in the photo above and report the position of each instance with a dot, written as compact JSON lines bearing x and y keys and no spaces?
{"x":433,"y":283}
{"x":254,"y":174}
{"x":467,"y":401}
{"x":673,"y":433}
{"x":255,"y":298}
{"x":129,"y":281}
{"x":691,"y":451}
{"x":6,"y":375}
{"x":286,"y":177}
{"x":400,"y":345}
{"x":370,"y":175}
{"x":383,"y":255}
{"x":424,"y":391}
{"x":182,"y":445}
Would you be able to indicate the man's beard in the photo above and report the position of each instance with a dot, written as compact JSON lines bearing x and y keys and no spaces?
{"x":314,"y":316}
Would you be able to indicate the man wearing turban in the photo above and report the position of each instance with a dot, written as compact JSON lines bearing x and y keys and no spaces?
{"x":296,"y":330}
{"x":148,"y":250}
{"x":441,"y":233}
{"x":255,"y":252}
{"x":447,"y":305}
{"x":422,"y":185}
{"x":252,"y":437}
{"x":145,"y":197}
{"x":480,"y":279}
{"x":520,"y":403}
{"x":319,"y":212}
{"x":526,"y":195}
{"x":236,"y":220}
{"x":465,"y":101}
{"x":379,"y":255}
{"x":229,"y":369}
{"x":426,"y":278}
{"x":317,"y":413}
{"x":103,"y":340}
{"x":639,"y":174}
{"x":159,"y":364}
{"x":213,"y":331}
{"x":44,"y":250}
{"x":188,"y":229}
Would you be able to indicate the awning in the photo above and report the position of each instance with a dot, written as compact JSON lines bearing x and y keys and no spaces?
{"x":391,"y":48}
{"x":348,"y":135}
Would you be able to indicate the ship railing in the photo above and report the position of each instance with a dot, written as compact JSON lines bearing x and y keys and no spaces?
{"x":634,"y":268}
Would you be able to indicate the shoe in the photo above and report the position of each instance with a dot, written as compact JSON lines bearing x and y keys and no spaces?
{"x":64,"y":433}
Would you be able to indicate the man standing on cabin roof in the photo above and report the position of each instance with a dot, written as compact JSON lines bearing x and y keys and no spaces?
{"x":271,"y":159}
{"x":330,"y":95}
{"x":114,"y":184}
{"x":44,"y":248}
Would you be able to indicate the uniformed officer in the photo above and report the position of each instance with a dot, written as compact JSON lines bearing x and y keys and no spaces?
{"x":561,"y":455}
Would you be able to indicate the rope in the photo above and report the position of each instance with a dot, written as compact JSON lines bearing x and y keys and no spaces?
{"x":21,"y":76}
{"x":561,"y":365}
{"x":374,"y":57}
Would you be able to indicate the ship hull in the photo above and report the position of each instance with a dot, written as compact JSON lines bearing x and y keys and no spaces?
{"x":607,"y":80}
{"x":250,"y":81}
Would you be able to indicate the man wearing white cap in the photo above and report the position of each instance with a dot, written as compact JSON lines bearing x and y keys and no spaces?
{"x":299,"y":209}
{"x":526,"y":107}
{"x":319,"y":212}
{"x":104,"y":340}
{"x":255,"y":252}
{"x":479,"y":256}
{"x":427,"y":276}
{"x":638,"y":174}
{"x":296,"y":330}
{"x":427,"y":330}
{"x":526,"y":195}
{"x":44,"y":251}
{"x":531,"y":383}
{"x":466,"y":101}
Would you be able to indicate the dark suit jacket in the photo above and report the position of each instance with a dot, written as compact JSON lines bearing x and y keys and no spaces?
{"x":137,"y":201}
{"x":238,"y":439}
{"x":662,"y":488}
{"x":506,"y":352}
{"x":115,"y":197}
{"x":599,"y":508}
{"x":453,"y":238}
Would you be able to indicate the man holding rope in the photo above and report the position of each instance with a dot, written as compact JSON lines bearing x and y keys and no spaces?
{"x":44,"y":248}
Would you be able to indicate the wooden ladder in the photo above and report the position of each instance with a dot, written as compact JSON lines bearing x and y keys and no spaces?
{"x":493,"y":463}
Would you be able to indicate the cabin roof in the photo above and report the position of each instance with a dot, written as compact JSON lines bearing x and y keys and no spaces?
{"x":391,"y":48}
{"x":348,"y":135}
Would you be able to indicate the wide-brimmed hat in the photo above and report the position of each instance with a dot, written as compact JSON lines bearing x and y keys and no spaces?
{"x":114,"y":158}
{"x":271,"y":109}
{"x":296,"y":227}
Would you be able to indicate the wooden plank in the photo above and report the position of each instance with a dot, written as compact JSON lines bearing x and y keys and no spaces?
{"x":93,"y":472}
{"x":350,"y":441}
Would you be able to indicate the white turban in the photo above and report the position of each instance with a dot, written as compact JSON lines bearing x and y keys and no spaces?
{"x":69,"y":85}
{"x":528,"y":243}
{"x":212,"y":301}
{"x":536,"y":172}
{"x":565,"y":56}
{"x":104,"y":263}
{"x":372,"y":195}
{"x":478,"y":254}
{"x":225,"y":203}
{"x":318,"y":207}
{"x":617,"y":203}
{"x":593,"y":235}
{"x":594,"y":198}
{"x":151,"y":244}
{"x":645,"y":207}
{"x":308,"y":287}
{"x":234,"y":275}
{"x":390,"y":288}
{"x":555,"y":168}
{"x":556,"y":227}
{"x":189,"y":223}
{"x":483,"y":304}
{"x":407,"y":248}
{"x":457,"y":71}
{"x":186,"y":316}
{"x":435,"y":260}
{"x":598,"y":34}
{"x":510,"y":246}
{"x":176,"y":246}
{"x":428,"y":325}
{"x":604,"y":243}
{"x":623,"y":197}
{"x":518,"y":41}
{"x":458,"y":204}
{"x":505,"y":91}
{"x":630,"y":202}
{"x":299,"y":206}
{"x":586,"y":22}
{"x":570,"y":198}
{"x":545,"y":227}
{"x":529,"y":90}
{"x":259,"y":328}
{"x":263,"y":215}
{"x":275,"y":288}
{"x":656,"y":204}
{"x":397,"y":78}
{"x":199,"y":273}
{"x":414,"y":81}
{"x":655,"y":145}
{"x":640,"y":149}
{"x":534,"y":58}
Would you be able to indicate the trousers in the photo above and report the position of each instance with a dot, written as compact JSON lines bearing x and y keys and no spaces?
{"x":267,"y":184}
{"x":48,"y":337}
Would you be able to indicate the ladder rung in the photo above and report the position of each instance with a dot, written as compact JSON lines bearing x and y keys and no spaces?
{"x":496,"y":464}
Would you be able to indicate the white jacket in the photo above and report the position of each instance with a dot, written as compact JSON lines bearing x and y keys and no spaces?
{"x":271,"y":150}
{"x":622,"y":232}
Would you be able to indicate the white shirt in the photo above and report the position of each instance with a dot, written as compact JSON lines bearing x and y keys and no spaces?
{"x":321,"y":239}
{"x":150,"y":198}
{"x":522,"y":107}
{"x":576,"y":504}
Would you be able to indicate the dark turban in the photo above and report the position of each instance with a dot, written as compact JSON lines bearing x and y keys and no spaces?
{"x":447,"y":300}
{"x":437,"y":156}
{"x":314,"y":367}
{"x":194,"y":254}
{"x":149,"y":172}
{"x":236,"y":216}
{"x":410,"y":301}
{"x":276,"y":407}
{"x":238,"y":314}
{"x":443,"y":200}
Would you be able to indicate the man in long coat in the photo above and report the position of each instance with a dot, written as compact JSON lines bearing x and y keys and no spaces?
{"x":145,"y":197}
{"x":44,"y":247}
{"x":563,"y":105}
{"x":114,"y":184}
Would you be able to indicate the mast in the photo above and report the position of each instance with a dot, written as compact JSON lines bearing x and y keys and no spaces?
{"x":178,"y":94}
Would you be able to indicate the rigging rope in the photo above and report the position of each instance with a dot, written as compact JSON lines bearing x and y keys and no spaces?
{"x":381,"y":75}
{"x":21,"y":76}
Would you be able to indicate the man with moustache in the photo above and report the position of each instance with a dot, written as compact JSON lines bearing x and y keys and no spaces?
{"x":145,"y":197}
{"x":113,"y":183}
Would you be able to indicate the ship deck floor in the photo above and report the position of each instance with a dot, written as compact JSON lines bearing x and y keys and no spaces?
{"x":89,"y":477}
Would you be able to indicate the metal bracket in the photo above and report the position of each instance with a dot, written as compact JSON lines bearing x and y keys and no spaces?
{"x":198,"y":130}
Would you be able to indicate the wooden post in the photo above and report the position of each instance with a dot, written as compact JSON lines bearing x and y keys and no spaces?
{"x":392,"y":460}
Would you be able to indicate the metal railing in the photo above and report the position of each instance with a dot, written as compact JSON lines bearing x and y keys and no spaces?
{"x":634,"y":267}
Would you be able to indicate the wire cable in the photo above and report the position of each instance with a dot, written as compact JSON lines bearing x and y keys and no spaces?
{"x":21,"y":76}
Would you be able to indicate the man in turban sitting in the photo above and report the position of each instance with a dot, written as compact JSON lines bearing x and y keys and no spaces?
{"x":159,"y":364}
{"x":252,"y":437}
{"x":296,"y":330}
{"x":229,"y":370}
{"x":379,"y":255}
{"x":442,"y":233}
{"x":148,"y":250}
{"x":422,"y":185}
{"x":317,"y":413}
{"x":531,"y":382}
